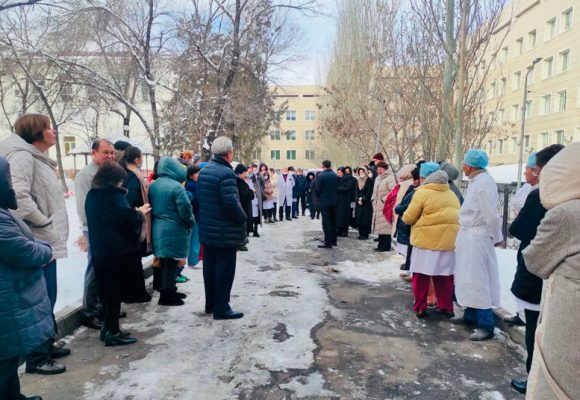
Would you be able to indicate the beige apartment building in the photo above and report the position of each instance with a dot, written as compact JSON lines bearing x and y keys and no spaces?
{"x":297,"y":140}
{"x":533,"y":29}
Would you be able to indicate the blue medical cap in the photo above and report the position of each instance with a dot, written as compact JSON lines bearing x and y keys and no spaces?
{"x":476,"y":158}
{"x":428,"y":168}
{"x":532,"y":160}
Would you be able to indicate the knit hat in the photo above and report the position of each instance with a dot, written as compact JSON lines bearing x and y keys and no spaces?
{"x":379,"y":156}
{"x":532,"y":160}
{"x":452,"y":172}
{"x":476,"y":158}
{"x":240,"y":168}
{"x":196,"y":158}
{"x":121,"y":145}
{"x":428,"y":168}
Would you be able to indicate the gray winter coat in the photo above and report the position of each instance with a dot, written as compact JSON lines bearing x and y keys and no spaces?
{"x":38,"y":192}
{"x":25,"y":310}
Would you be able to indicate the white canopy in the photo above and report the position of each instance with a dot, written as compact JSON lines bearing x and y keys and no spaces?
{"x":84,"y":148}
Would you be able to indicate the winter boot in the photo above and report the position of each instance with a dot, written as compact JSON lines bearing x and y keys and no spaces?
{"x":167,"y":298}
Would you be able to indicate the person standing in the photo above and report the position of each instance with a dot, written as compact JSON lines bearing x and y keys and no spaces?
{"x":26,"y":316}
{"x":345,"y":194}
{"x":137,"y":196}
{"x":309,"y":196}
{"x":403,"y":231}
{"x":325,"y":188}
{"x":285,"y":187}
{"x":275,"y":193}
{"x":172,"y":224}
{"x":476,"y":274}
{"x":102,"y":151}
{"x":222,"y":226}
{"x":364,"y":205}
{"x":191,"y":188}
{"x":246,"y":195}
{"x":527,"y":287}
{"x":115,"y":234}
{"x":41,"y":205}
{"x":554,"y":255}
{"x":301,"y":192}
{"x":295,"y":192}
{"x":384,"y":183}
{"x":258,"y":202}
{"x":268,"y":203}
{"x":453,"y":174}
{"x":434,"y":219}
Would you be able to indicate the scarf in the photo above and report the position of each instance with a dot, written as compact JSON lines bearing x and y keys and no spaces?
{"x":145,"y":197}
{"x":390,"y":204}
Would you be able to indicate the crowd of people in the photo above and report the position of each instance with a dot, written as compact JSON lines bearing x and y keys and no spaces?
{"x":188,"y":210}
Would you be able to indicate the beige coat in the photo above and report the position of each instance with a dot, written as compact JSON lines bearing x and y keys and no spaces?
{"x":274,"y":182}
{"x":383,"y":185}
{"x":554,"y":255}
{"x":38,"y":192}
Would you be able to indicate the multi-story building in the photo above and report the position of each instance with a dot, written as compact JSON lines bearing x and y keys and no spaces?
{"x":297,"y":140}
{"x":530,"y":30}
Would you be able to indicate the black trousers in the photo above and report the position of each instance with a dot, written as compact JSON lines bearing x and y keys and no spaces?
{"x":219,"y":269}
{"x":9,"y":382}
{"x":329,"y":225}
{"x":169,"y":269}
{"x":384,"y":242}
{"x":408,"y":258}
{"x":111,"y":310}
{"x":364,"y":230}
{"x":255,"y":224}
{"x":40,"y":355}
{"x":302,"y":202}
{"x":285,"y":209}
{"x":531,"y":325}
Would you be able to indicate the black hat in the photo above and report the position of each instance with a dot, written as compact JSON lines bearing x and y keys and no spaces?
{"x":240,"y":168}
{"x":121,"y":145}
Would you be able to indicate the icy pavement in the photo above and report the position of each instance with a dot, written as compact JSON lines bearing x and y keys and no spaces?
{"x":319,"y":324}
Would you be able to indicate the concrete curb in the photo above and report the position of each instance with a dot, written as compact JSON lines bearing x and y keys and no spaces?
{"x":516,"y":333}
{"x":71,"y":317}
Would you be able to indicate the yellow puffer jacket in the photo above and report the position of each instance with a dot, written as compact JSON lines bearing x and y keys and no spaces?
{"x":433,"y":214}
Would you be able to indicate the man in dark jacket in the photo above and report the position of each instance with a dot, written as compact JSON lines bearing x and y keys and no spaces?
{"x":325,"y":188}
{"x":222,"y":228}
{"x":527,"y":288}
{"x":301,"y":183}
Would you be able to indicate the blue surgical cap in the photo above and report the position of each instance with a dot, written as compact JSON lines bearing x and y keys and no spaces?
{"x":428,"y":168}
{"x":476,"y":158}
{"x":532,"y":160}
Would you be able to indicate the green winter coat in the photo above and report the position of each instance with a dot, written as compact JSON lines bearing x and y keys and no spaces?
{"x":171,"y":211}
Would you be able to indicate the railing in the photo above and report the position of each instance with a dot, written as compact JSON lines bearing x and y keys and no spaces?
{"x":505,"y":191}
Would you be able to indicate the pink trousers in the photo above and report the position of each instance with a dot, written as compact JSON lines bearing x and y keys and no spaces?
{"x":443,"y":290}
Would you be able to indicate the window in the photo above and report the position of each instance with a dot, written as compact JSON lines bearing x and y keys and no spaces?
{"x":548,"y":67}
{"x":515,"y":112}
{"x":532,"y":39}
{"x":567,"y":17}
{"x":532,"y":76}
{"x":545,"y":139}
{"x":290,"y":115}
{"x":560,"y":136}
{"x":517,"y":80}
{"x":275,"y":135}
{"x":500,"y":146}
{"x":257,"y":154}
{"x":502,"y":85}
{"x":290,"y":154}
{"x":274,"y":154}
{"x":550,"y":28}
{"x":501,"y":116}
{"x":526,"y":141}
{"x":562,"y":100}
{"x":514,"y":145}
{"x":309,"y":115}
{"x":503,"y":55}
{"x":564,"y":60}
{"x":309,"y":135}
{"x":529,"y":109}
{"x":309,"y":154}
{"x":66,"y":92}
{"x":547,"y":104}
{"x":290,"y":135}
{"x":69,"y":144}
{"x":490,"y":147}
{"x":519,"y":47}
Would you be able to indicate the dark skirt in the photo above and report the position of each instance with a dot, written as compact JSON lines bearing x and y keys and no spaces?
{"x":121,"y":278}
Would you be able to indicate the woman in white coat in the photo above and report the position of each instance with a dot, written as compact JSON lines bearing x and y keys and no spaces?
{"x":476,"y":273}
{"x":285,"y":185}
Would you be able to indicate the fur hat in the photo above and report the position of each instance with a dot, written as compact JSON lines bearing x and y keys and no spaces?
{"x":379,"y":156}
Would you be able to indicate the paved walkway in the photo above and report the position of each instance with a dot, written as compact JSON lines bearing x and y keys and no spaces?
{"x":320,"y":324}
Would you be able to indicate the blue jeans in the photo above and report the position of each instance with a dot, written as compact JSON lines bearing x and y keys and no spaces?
{"x":294,"y":208}
{"x":482,"y":318}
{"x":194,"y":244}
{"x":91,"y":303}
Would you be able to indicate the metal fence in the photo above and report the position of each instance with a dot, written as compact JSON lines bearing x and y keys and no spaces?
{"x":506,"y":192}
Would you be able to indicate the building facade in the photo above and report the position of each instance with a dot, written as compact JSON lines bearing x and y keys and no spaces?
{"x":296,"y":141}
{"x":545,"y":31}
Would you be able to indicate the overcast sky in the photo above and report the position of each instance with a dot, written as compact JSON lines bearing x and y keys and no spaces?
{"x":318,"y":35}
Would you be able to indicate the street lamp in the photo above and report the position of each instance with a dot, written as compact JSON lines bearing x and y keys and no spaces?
{"x":524,"y":105}
{"x":126,"y":127}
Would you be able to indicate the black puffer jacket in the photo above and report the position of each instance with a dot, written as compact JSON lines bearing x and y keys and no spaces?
{"x":527,"y":286}
{"x":222,"y":221}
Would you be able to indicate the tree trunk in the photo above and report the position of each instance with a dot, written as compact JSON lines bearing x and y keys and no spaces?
{"x":461,"y":84}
